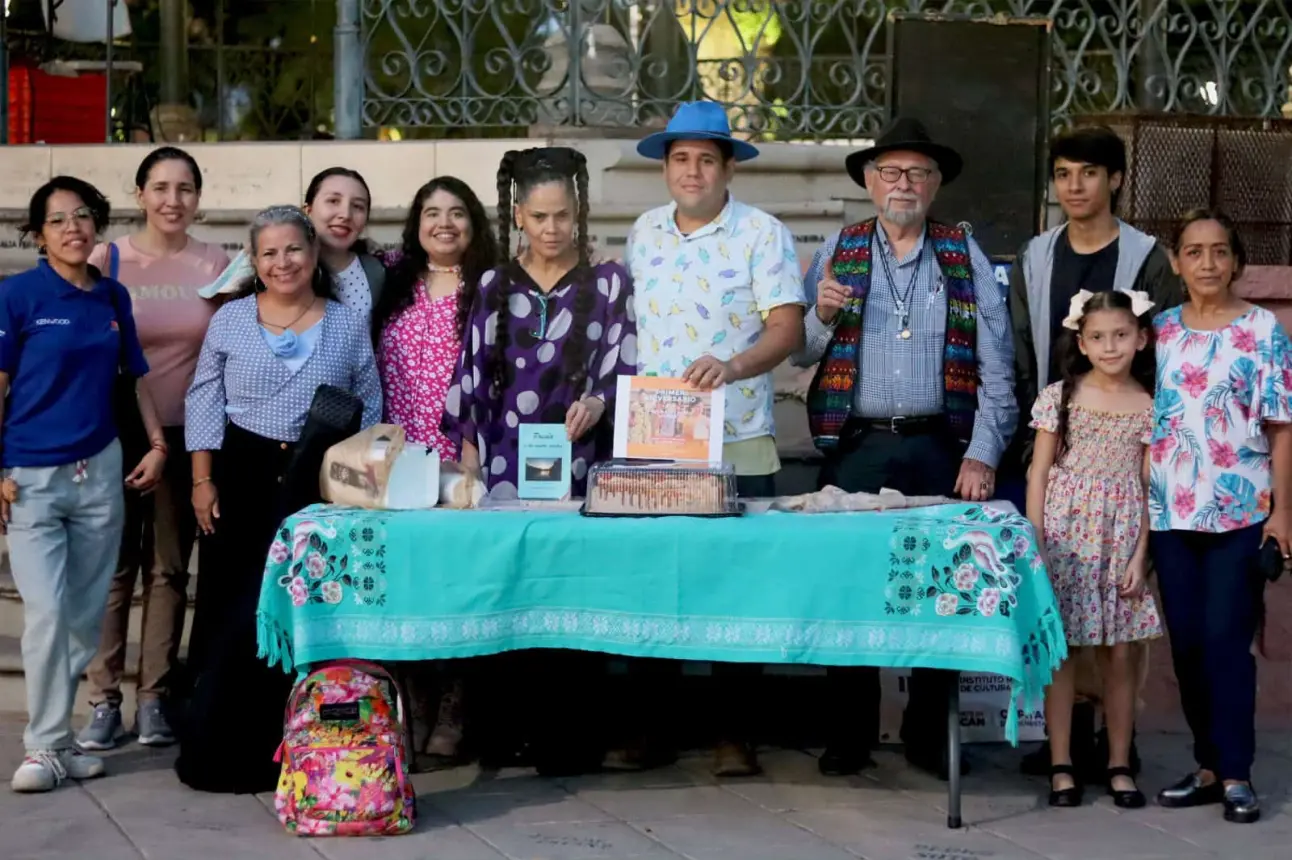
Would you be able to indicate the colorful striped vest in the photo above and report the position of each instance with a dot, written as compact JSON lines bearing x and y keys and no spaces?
{"x":830,"y":396}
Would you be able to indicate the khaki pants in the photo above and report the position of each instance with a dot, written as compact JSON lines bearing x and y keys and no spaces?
{"x":157,"y":541}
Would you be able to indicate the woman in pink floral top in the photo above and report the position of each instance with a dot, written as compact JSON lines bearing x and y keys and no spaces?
{"x":417,"y":327}
{"x":1220,"y":478}
{"x":418,"y":323}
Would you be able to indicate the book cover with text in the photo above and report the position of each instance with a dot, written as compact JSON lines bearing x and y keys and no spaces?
{"x":544,"y":466}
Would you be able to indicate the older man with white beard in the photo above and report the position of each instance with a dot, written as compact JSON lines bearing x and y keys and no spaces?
{"x":914,"y":388}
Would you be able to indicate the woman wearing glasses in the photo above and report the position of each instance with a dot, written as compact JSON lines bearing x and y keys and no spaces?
{"x":67,"y":341}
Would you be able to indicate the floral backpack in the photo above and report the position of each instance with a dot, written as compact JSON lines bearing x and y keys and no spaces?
{"x":345,"y":756}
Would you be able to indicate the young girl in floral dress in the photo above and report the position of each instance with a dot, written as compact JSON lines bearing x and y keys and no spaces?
{"x":1086,"y":496}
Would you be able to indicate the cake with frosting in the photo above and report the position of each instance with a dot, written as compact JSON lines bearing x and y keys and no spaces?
{"x":630,"y":489}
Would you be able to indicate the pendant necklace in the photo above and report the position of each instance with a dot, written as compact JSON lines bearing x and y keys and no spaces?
{"x":903,"y":313}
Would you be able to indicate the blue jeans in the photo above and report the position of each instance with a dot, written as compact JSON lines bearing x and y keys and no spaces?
{"x":1211,"y":595}
{"x":64,"y":536}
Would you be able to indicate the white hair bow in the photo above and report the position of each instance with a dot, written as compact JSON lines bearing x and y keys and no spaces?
{"x":1140,"y":305}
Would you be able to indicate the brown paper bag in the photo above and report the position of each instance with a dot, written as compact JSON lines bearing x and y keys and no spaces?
{"x":355,"y":471}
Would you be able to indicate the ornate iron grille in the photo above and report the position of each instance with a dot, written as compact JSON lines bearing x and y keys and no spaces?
{"x":789,"y":69}
{"x":1241,"y":166}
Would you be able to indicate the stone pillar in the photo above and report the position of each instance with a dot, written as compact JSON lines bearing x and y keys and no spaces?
{"x":347,"y":65}
{"x":174,"y":52}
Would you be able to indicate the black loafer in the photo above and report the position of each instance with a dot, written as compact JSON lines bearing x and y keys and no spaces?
{"x":1065,"y":797}
{"x":1190,"y":792}
{"x":1241,"y":804}
{"x":843,"y":761}
{"x":1132,"y":799}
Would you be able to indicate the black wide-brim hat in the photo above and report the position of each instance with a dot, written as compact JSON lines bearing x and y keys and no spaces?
{"x":906,"y":135}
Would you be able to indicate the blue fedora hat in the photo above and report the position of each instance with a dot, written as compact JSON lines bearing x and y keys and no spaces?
{"x":696,"y":121}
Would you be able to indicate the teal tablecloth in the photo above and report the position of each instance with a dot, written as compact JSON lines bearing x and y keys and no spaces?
{"x":953,"y":587}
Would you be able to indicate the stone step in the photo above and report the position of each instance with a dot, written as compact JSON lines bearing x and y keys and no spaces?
{"x":12,"y":691}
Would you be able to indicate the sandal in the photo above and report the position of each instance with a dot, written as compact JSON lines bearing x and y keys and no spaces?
{"x":1065,"y":797}
{"x":1131,"y":799}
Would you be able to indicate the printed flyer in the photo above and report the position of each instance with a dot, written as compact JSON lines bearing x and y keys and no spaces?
{"x":662,"y":418}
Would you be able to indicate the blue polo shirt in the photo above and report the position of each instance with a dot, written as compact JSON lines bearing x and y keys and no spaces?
{"x":61,"y":347}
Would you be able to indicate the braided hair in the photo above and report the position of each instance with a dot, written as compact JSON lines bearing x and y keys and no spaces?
{"x":1076,"y":364}
{"x":520,"y":173}
{"x":411,"y":262}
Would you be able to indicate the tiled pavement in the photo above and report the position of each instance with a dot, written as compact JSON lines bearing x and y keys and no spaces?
{"x":791,"y":813}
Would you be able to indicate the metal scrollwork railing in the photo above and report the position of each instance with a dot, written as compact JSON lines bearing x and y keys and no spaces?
{"x":789,"y":70}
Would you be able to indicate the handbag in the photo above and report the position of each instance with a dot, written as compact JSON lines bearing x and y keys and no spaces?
{"x":1270,"y":562}
{"x":335,"y":415}
{"x":125,"y":397}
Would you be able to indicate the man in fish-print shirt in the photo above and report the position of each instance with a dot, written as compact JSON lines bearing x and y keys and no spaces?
{"x":719,"y":300}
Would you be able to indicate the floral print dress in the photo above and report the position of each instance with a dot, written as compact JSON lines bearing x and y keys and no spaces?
{"x":590,"y":312}
{"x":418,"y":357}
{"x":1094,"y":511}
{"x":1211,"y":467}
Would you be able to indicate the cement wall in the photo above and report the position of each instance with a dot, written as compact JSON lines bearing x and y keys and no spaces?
{"x":805,"y":186}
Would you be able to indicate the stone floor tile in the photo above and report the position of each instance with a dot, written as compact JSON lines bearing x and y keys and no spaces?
{"x":899,"y":830}
{"x":739,"y":837}
{"x":1089,"y":831}
{"x":57,"y":825}
{"x":470,"y":807}
{"x":647,"y":804}
{"x":195,"y":824}
{"x":570,"y":841}
{"x":440,"y":842}
{"x":660,"y":777}
{"x":844,"y":792}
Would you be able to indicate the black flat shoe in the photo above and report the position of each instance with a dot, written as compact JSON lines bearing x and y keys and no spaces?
{"x":1190,"y":792}
{"x":1241,"y":804}
{"x":843,"y":761}
{"x":1065,"y":797}
{"x":1133,"y":799}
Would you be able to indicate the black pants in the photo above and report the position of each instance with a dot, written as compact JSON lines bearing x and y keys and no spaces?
{"x":235,"y":718}
{"x":923,"y":463}
{"x":1211,"y":599}
{"x":643,"y":705}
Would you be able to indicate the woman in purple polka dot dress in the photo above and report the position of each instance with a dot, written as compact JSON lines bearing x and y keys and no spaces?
{"x":549,"y":333}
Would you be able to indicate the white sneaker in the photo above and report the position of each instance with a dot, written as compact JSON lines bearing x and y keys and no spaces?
{"x":79,"y":765}
{"x":41,"y":770}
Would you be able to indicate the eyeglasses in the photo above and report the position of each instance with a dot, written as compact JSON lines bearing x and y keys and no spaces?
{"x":916,"y":175}
{"x":60,"y":219}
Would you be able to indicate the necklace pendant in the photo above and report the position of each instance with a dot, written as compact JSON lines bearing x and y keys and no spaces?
{"x":906,"y":334}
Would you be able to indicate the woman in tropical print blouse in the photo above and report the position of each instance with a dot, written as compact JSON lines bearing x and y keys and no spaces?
{"x":1219,"y":489}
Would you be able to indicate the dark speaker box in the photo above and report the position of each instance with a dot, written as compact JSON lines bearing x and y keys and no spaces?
{"x":981,"y":86}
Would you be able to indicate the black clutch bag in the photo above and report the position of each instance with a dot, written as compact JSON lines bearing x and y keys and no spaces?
{"x":1270,"y":562}
{"x":335,"y":415}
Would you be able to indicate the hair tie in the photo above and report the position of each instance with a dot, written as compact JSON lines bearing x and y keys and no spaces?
{"x":1077,"y":309}
{"x":1140,"y":302}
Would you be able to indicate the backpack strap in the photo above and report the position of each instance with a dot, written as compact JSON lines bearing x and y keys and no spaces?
{"x":375,"y":272}
{"x":114,"y":262}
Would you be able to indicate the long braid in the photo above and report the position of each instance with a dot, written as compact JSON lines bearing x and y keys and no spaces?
{"x":575,"y":359}
{"x":499,"y":303}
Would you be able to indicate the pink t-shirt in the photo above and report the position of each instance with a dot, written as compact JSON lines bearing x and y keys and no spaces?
{"x":417,"y":357}
{"x":170,"y":315}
